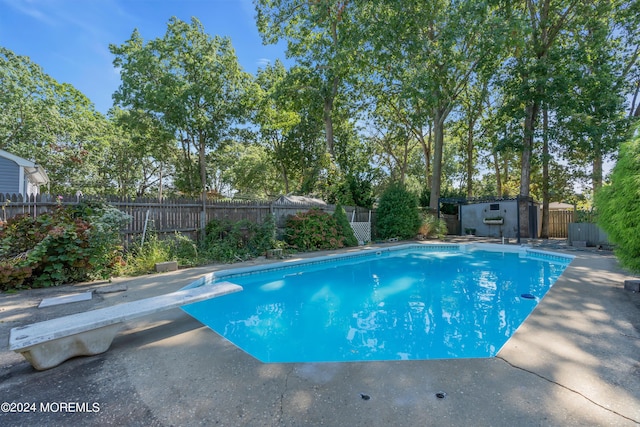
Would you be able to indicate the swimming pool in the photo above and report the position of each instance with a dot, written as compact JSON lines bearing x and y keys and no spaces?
{"x":408,"y":302}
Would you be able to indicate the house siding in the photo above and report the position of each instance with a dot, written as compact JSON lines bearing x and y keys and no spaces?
{"x":9,"y":176}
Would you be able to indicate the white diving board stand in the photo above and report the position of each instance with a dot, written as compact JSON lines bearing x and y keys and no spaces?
{"x":49,"y":343}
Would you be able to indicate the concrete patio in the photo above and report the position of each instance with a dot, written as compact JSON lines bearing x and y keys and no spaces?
{"x":574,"y":362}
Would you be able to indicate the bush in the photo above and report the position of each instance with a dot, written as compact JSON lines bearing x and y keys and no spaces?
{"x":184,"y":250}
{"x":12,"y":275}
{"x":433,"y":227}
{"x":105,"y":242}
{"x":142,"y":257}
{"x":618,"y":206}
{"x":65,"y":245}
{"x":313,"y":230}
{"x":398,"y":214}
{"x":344,"y":227}
{"x":229,"y":241}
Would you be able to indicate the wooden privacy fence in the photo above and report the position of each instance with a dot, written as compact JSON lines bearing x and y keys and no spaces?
{"x":559,"y":223}
{"x":174,"y":215}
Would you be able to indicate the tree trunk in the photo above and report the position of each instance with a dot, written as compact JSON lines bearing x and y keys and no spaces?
{"x":426,"y":149}
{"x":496,"y":167}
{"x":544,"y":233}
{"x":634,"y":110}
{"x":203,"y":182}
{"x":525,"y":169}
{"x":285,"y":177}
{"x":438,"y":143}
{"x":597,"y":175}
{"x":160,"y":188}
{"x":470,"y":158}
{"x":328,"y":125}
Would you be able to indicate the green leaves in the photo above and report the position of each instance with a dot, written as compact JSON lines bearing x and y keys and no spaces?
{"x":320,"y":36}
{"x":313,"y":230}
{"x":230,"y":241}
{"x":618,"y":205}
{"x":51,"y":123}
{"x":190,"y":82}
{"x":344,"y":227}
{"x":397,"y":214}
{"x":63,"y":246}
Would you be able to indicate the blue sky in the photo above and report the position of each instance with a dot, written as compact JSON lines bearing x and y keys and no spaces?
{"x":70,"y":39}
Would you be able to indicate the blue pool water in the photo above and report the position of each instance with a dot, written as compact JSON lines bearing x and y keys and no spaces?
{"x":415,"y":303}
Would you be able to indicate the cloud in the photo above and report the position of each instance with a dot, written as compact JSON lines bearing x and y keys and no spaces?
{"x":263,"y":62}
{"x":32,"y":9}
{"x":89,"y":19}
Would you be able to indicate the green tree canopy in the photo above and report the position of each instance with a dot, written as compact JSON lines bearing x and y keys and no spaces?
{"x":51,"y":123}
{"x":189,"y":82}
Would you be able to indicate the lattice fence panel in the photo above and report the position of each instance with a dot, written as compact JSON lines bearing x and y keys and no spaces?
{"x":362,"y":231}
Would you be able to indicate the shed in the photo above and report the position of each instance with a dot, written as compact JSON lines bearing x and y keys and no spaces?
{"x":20,"y":176}
{"x":493,"y":216}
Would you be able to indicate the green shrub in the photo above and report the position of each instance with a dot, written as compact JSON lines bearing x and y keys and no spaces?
{"x":344,"y":227}
{"x":581,"y":215}
{"x":12,"y":275}
{"x":398,"y":214}
{"x":143,"y":257}
{"x":105,"y":242}
{"x":226,"y":241}
{"x":433,"y":227}
{"x":65,"y":245}
{"x":313,"y":230}
{"x":618,"y":206}
{"x":229,"y":241}
{"x":184,"y":250}
{"x":265,"y":236}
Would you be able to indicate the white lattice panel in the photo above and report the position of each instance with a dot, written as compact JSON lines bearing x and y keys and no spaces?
{"x":362,"y":230}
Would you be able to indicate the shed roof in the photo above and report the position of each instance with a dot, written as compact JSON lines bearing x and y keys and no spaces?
{"x":293,"y":200}
{"x":558,"y":206}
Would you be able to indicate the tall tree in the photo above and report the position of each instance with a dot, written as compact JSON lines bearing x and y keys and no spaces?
{"x":423,"y":47}
{"x":542,"y":22}
{"x":319,"y":36}
{"x":189,"y":81}
{"x":49,"y":122}
{"x":141,"y":153}
{"x":276,"y":118}
{"x":590,"y":106}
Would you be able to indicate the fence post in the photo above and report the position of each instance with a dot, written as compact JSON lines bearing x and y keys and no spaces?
{"x":144,"y":229}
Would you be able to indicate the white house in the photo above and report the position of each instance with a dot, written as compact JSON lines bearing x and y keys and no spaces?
{"x":20,"y":176}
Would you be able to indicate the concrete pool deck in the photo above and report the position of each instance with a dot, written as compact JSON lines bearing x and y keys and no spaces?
{"x":574,"y":362}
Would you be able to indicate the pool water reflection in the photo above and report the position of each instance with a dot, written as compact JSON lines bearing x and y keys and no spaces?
{"x":396,"y":305}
